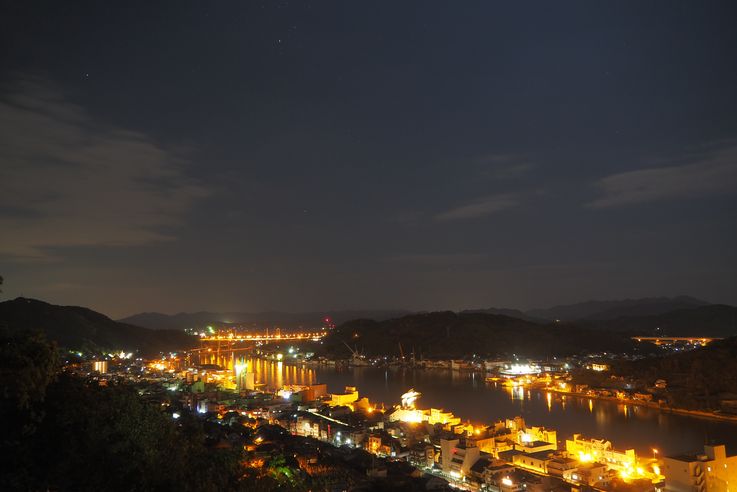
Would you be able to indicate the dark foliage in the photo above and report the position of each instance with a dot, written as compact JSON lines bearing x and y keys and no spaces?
{"x":61,"y":433}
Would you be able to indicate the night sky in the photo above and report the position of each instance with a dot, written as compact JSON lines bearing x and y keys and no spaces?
{"x":178,"y":156}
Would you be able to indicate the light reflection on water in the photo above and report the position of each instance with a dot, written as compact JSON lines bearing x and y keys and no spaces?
{"x":468,"y":396}
{"x":271,"y":375}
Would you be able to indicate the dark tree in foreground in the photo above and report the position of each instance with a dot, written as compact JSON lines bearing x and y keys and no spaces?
{"x":60,"y":433}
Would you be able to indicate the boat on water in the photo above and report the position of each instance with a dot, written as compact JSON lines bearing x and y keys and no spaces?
{"x":437,"y":364}
{"x":359,"y":361}
{"x":460,"y":365}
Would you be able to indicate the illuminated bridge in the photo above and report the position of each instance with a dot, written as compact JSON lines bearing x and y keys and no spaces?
{"x":672,"y":340}
{"x":277,"y":337}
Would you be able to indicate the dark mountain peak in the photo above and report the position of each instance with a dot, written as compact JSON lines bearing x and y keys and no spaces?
{"x":82,"y":328}
{"x":616,"y":308}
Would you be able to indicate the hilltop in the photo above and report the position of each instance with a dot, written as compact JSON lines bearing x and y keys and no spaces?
{"x":449,"y":334}
{"x":80,"y":328}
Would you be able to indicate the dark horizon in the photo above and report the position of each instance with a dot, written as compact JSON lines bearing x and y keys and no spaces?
{"x":298,"y":157}
{"x":666,"y":304}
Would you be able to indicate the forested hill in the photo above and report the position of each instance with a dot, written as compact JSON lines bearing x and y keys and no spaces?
{"x":83,"y":329}
{"x":447,"y":334}
{"x":716,"y":320}
{"x":696,"y":379}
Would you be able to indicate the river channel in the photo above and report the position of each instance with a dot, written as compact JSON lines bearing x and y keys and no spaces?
{"x":470,"y":397}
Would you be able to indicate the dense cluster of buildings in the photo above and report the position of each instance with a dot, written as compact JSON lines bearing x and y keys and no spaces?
{"x":505,"y":456}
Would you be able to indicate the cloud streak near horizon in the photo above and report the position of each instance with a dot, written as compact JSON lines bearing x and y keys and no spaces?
{"x":68,"y":180}
{"x":711,"y":174}
{"x":481,"y":207}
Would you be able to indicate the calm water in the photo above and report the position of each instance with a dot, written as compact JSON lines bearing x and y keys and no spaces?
{"x":468,"y":396}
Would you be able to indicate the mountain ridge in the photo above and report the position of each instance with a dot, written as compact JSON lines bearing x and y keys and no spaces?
{"x":610,"y":309}
{"x":587,"y":310}
{"x":81,"y":328}
{"x":714,"y":320}
{"x":284,"y":319}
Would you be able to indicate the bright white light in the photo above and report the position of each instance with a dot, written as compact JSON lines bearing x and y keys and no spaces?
{"x":175,"y":415}
{"x":409,"y":398}
{"x":520,"y":369}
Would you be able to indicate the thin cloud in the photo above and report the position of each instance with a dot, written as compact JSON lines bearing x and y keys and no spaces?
{"x":480,"y":208}
{"x":712,"y":173}
{"x":67,"y":180}
{"x":440,"y":259}
{"x":504,"y":166}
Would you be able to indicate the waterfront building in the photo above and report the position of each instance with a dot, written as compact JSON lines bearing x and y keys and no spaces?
{"x":519,"y":369}
{"x":712,"y":471}
{"x":591,"y":450}
{"x":349,"y":396}
{"x":303,"y":393}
